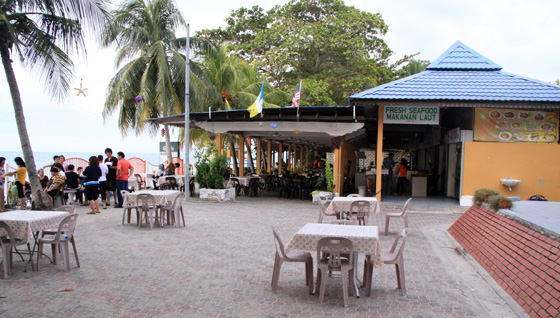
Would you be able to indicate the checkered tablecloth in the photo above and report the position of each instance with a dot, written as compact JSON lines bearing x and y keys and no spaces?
{"x":364,"y":238}
{"x":25,"y":223}
{"x":161,"y":196}
{"x":342,"y":204}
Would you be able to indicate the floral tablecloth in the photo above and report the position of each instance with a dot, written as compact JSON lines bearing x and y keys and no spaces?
{"x":25,"y":223}
{"x":364,"y":238}
{"x":342,"y":204}
{"x":161,"y":196}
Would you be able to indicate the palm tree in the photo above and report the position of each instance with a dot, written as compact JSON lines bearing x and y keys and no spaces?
{"x":233,"y":83}
{"x":151,"y":64}
{"x":42,"y":34}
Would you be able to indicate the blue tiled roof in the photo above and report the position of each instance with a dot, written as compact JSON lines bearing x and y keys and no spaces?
{"x":461,"y":57}
{"x":463,"y":74}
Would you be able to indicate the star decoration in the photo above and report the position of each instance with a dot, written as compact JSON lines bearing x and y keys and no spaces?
{"x":81,"y":90}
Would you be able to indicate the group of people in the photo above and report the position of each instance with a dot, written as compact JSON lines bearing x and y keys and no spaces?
{"x":99,"y":178}
{"x":387,"y":181}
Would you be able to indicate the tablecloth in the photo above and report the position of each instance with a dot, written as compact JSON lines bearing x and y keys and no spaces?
{"x":342,"y":204}
{"x":161,"y":196}
{"x":244,"y":181}
{"x":25,"y":223}
{"x":364,"y":238}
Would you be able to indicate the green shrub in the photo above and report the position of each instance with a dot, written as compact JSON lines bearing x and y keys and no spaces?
{"x":483,"y":195}
{"x":210,"y":168}
{"x":499,"y":202}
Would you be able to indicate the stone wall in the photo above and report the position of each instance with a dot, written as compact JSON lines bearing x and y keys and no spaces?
{"x":523,"y":261}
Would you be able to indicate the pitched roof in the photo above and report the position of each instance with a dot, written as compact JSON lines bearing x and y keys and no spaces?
{"x":463,"y":74}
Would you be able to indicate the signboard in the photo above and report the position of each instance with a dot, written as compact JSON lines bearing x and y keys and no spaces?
{"x":163,"y":151}
{"x":330,"y":158}
{"x":453,"y":136}
{"x":514,"y":125}
{"x":416,"y":115}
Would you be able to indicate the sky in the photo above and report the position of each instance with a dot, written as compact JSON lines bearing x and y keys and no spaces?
{"x":518,"y":35}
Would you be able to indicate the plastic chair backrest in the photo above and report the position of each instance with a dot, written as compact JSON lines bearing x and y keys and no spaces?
{"x":234,"y":182}
{"x":67,"y":208}
{"x":68,"y":225}
{"x":145,"y":201}
{"x":6,"y":227}
{"x":344,"y":222}
{"x":278,"y":243}
{"x":138,"y":180}
{"x":124,"y":194}
{"x":178,"y":201}
{"x":334,"y":247}
{"x":402,"y":235}
{"x":360,"y":211}
{"x":354,"y":195}
{"x":405,"y":206}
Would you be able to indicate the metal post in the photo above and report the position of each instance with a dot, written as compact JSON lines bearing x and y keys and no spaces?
{"x":187,"y":119}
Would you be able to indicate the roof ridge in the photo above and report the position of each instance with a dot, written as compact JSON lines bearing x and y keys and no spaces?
{"x":461,"y":57}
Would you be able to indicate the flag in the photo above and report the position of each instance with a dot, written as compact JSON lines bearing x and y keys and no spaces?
{"x":257,"y":106}
{"x":295,"y":100}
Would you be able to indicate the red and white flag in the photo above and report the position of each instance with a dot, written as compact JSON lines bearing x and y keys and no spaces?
{"x":295,"y":99}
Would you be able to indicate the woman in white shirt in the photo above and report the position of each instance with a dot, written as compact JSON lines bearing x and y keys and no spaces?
{"x":103,"y":181}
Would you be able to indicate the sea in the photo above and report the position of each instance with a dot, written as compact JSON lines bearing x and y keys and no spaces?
{"x":45,"y":158}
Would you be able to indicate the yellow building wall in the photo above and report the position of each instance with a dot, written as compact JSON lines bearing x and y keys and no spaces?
{"x":536,"y":165}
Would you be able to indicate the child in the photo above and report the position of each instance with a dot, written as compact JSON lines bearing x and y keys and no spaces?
{"x":56,"y":185}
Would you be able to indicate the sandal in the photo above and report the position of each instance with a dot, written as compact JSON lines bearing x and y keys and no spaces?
{"x":90,"y":213}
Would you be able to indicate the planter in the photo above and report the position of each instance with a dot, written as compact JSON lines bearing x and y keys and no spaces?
{"x":219,"y":195}
{"x":326,"y":195}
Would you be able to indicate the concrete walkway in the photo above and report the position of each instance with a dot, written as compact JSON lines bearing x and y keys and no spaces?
{"x":220,"y":265}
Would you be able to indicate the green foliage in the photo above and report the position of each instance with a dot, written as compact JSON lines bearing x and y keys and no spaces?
{"x":210,"y":168}
{"x":497,"y":202}
{"x":482,"y":195}
{"x":336,"y":49}
{"x":329,"y":175}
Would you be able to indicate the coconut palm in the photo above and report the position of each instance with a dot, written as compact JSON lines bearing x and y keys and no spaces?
{"x":42,"y":34}
{"x":151,"y":79}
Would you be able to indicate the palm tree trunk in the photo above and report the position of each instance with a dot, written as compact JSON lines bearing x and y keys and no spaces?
{"x":40,"y":201}
{"x":250,"y":154}
{"x":168,"y":144}
{"x":234,"y":156}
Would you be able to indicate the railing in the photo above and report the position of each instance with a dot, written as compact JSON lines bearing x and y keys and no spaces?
{"x":77,"y":162}
{"x":139,"y":165}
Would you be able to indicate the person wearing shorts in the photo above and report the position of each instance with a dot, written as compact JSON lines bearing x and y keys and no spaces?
{"x":20,"y":180}
{"x":92,"y":173}
{"x":103,"y":181}
{"x":111,"y":163}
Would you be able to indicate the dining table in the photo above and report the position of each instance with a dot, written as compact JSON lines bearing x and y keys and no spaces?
{"x":365,"y":240}
{"x":179,"y":178}
{"x":341,"y":205}
{"x":244,"y":181}
{"x":26,"y":224}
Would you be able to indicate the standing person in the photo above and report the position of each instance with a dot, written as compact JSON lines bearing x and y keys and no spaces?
{"x":111,"y":185}
{"x":124,"y":171}
{"x":92,"y":173}
{"x":402,"y":176}
{"x":20,"y":180}
{"x":388,"y":163}
{"x":63,"y":163}
{"x":103,"y":181}
{"x":2,"y":182}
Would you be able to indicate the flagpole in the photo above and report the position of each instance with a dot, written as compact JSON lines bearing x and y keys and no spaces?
{"x":187,"y":119}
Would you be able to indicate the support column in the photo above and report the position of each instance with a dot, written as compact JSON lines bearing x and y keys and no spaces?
{"x":241,"y":155}
{"x":279,"y":157}
{"x":338,"y":168}
{"x":268,"y":156}
{"x":258,"y":167}
{"x":289,"y":157}
{"x":219,"y":145}
{"x":379,"y":152}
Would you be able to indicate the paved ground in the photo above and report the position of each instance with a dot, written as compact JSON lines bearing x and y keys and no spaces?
{"x":542,"y":213}
{"x":220,"y":265}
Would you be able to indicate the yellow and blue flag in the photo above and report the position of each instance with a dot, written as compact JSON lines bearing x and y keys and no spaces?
{"x":257,"y":106}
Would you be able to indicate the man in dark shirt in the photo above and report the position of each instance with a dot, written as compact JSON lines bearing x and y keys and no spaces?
{"x":73,"y":181}
{"x":111,"y":163}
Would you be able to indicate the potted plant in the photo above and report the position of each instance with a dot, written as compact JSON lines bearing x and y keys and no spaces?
{"x":498,"y":202}
{"x":483,"y":195}
{"x":324,"y":186}
{"x":210,"y":169}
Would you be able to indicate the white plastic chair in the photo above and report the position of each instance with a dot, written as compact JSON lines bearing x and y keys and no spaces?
{"x":339,"y":257}
{"x":290,"y":256}
{"x":128,"y":205}
{"x":174,"y":211}
{"x":148,"y":209}
{"x":8,"y":243}
{"x":403,"y":214}
{"x":60,"y":239}
{"x":70,"y":209}
{"x":359,"y":211}
{"x":354,"y":195}
{"x":323,"y":205}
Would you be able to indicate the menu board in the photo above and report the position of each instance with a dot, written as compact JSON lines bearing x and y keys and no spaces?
{"x":515,"y":125}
